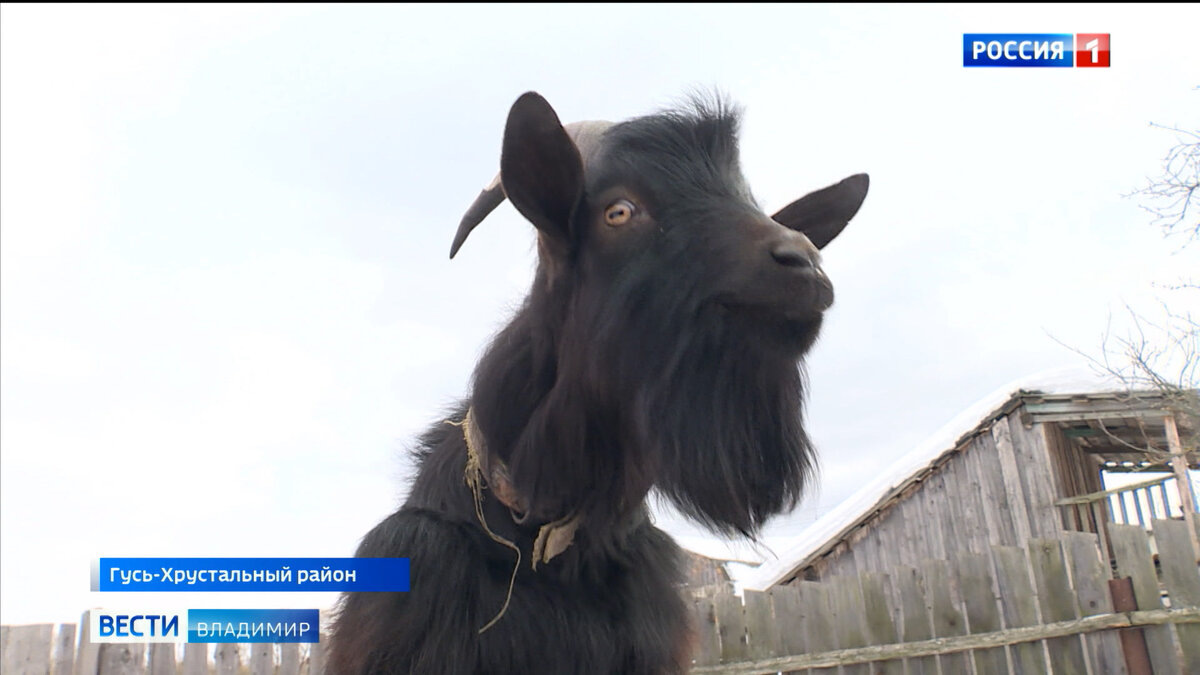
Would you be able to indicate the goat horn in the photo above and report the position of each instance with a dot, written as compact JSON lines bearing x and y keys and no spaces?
{"x":586,"y":136}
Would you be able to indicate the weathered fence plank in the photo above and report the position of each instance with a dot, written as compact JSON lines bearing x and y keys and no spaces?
{"x":6,"y":649}
{"x":63,"y":657}
{"x":262,"y":659}
{"x":708,"y":643}
{"x":7,"y":652}
{"x":1182,"y":580}
{"x":1131,"y":547}
{"x":162,"y":659}
{"x":289,"y":659}
{"x":26,"y":649}
{"x":850,"y":629}
{"x":762,"y":630}
{"x":1018,"y":604}
{"x":1091,"y":590}
{"x":790,"y":617}
{"x":195,"y":659}
{"x":122,"y":659}
{"x":914,"y":617}
{"x":1058,"y":604}
{"x":881,"y":630}
{"x":87,"y":660}
{"x":983,"y":616}
{"x":1178,"y":562}
{"x":227,"y":659}
{"x":818,"y":625}
{"x":731,"y":625}
{"x":316,"y":658}
{"x":948,"y":621}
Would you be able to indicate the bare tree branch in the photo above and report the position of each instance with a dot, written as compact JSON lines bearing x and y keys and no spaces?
{"x":1158,"y":357}
{"x":1171,"y":196}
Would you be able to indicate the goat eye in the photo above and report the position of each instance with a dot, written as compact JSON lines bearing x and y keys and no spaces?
{"x":619,"y":212}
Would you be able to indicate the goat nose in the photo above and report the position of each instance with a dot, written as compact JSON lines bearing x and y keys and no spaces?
{"x":791,"y":254}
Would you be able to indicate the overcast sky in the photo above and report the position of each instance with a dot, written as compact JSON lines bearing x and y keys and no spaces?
{"x":228,"y":307}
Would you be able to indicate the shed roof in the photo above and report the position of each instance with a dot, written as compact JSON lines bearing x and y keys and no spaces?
{"x":859,"y":507}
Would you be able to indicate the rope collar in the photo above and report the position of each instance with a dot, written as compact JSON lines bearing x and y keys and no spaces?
{"x":493,"y":469}
{"x":484,"y":471}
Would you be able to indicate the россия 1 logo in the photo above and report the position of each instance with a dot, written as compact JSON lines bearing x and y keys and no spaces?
{"x":1036,"y":50}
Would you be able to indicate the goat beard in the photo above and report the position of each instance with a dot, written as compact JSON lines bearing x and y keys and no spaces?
{"x":698,"y":401}
{"x":713,"y":411}
{"x":726,"y":425}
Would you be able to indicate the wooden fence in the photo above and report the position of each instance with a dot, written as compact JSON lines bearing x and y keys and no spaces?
{"x":1134,"y":504}
{"x":1045,"y":608}
{"x":46,"y":649}
{"x":1051,"y":607}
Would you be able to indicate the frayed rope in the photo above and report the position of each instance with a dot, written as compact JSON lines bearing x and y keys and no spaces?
{"x":473,"y":475}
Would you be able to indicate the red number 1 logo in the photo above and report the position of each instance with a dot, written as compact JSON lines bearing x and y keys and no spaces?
{"x":1091,"y":50}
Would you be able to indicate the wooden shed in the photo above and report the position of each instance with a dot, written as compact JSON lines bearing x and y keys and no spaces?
{"x":1041,"y":531}
{"x":1029,"y":462}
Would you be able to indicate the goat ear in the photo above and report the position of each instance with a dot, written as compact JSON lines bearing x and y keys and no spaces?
{"x":822,"y":215}
{"x":541,"y":168}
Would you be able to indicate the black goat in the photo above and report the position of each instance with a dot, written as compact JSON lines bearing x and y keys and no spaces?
{"x":658,"y":347}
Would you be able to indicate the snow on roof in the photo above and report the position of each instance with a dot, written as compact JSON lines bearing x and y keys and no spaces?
{"x":721,"y":548}
{"x":916,"y":461}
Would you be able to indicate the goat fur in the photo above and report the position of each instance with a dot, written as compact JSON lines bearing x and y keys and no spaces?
{"x":661,"y":352}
